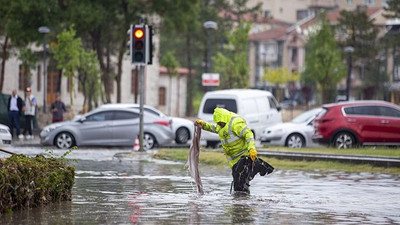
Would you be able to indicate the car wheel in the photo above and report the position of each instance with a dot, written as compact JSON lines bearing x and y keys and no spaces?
{"x":65,"y":140}
{"x":343,"y":140}
{"x":295,"y":141}
{"x":182,"y":135}
{"x":149,"y":141}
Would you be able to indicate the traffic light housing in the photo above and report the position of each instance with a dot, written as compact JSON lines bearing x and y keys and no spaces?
{"x":141,"y":52}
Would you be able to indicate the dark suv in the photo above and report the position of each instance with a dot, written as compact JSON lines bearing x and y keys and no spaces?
{"x":349,"y":124}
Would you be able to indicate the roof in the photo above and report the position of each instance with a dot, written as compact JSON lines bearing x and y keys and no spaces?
{"x":359,"y":103}
{"x":181,"y":71}
{"x":240,"y":92}
{"x":273,"y":34}
{"x":333,"y":18}
{"x":250,"y":17}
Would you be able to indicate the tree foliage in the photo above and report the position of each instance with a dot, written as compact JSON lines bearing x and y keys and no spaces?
{"x":324,"y":65}
{"x":232,"y":64}
{"x":358,"y":31}
{"x":66,"y":51}
{"x":392,"y":10}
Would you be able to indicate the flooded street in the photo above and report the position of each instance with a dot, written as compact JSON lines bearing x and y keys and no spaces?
{"x":112,"y":190}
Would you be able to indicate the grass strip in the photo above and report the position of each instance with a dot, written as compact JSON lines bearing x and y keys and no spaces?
{"x":218,"y":158}
{"x":367,"y":151}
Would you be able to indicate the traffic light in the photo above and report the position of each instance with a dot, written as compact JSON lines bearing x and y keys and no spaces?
{"x":140,"y":44}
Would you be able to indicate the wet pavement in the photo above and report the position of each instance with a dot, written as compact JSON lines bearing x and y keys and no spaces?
{"x":141,"y":190}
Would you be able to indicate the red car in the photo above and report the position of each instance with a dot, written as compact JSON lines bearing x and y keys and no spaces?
{"x":349,"y":124}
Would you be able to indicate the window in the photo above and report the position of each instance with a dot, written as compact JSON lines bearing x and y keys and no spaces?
{"x":211,"y":104}
{"x":369,"y":2}
{"x":22,"y":82}
{"x":101,"y":116}
{"x":362,"y":110}
{"x":396,"y":69}
{"x":389,"y":112}
{"x":272,"y":103}
{"x":267,"y":13}
{"x":122,"y":115}
{"x":294,"y":55}
{"x":349,"y":2}
{"x":301,"y":14}
{"x":161,"y":96}
{"x":151,"y":111}
{"x":39,"y":78}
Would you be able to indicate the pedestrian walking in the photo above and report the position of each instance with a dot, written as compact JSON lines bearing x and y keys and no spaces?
{"x":14,"y":108}
{"x":239,"y":147}
{"x":30,"y":110}
{"x":58,"y":109}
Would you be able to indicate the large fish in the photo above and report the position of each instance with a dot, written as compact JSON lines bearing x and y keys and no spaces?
{"x":193,"y":158}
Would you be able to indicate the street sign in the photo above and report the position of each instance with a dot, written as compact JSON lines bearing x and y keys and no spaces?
{"x":210,"y":79}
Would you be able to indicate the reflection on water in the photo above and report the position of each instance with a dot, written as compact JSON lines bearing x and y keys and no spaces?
{"x":153,"y":192}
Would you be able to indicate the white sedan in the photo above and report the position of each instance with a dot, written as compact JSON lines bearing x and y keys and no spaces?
{"x":182,"y":128}
{"x":5,"y":135}
{"x":294,"y":134}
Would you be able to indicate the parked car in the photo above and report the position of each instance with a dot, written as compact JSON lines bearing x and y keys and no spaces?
{"x":182,"y":128}
{"x":294,"y":134}
{"x":5,"y":135}
{"x":349,"y":124}
{"x":259,"y":108}
{"x":108,"y":127}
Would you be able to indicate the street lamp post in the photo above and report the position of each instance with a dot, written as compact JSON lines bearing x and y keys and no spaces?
{"x":209,"y":25}
{"x":349,"y":50}
{"x":44,"y":30}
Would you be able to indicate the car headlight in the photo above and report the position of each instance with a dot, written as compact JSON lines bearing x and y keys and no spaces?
{"x":4,"y":131}
{"x":51,"y":127}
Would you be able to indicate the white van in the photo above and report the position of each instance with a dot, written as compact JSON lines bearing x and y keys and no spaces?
{"x":259,"y":108}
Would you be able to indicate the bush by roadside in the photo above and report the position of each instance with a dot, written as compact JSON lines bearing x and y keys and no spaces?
{"x":30,"y":182}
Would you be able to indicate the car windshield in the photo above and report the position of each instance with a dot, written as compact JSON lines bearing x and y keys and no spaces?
{"x":304,"y":117}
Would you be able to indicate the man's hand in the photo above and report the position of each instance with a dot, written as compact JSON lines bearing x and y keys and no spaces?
{"x":253,"y":154}
{"x":200,"y":122}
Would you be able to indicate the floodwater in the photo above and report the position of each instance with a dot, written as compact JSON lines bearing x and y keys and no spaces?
{"x":140,"y":190}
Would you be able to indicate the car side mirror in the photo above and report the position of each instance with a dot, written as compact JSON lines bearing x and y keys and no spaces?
{"x":82,"y":119}
{"x":279,"y":108}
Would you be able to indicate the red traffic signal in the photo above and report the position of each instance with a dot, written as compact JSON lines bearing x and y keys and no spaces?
{"x":141,"y":52}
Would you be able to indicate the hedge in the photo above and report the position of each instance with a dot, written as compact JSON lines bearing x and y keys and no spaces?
{"x":30,"y":182}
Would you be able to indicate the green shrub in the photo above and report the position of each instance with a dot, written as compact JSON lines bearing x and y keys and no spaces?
{"x":30,"y":182}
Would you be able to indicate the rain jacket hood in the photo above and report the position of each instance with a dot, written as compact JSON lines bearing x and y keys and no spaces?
{"x":222,"y":115}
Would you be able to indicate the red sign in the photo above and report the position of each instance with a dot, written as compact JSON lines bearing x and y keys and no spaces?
{"x":210,"y":79}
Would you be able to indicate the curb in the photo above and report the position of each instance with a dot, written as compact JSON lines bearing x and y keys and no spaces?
{"x":373,"y":160}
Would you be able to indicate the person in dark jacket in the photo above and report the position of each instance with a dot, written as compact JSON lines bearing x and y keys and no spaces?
{"x":58,"y":109}
{"x":14,"y":107}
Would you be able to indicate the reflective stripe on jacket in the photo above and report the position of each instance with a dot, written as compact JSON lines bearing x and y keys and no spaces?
{"x":235,"y":136}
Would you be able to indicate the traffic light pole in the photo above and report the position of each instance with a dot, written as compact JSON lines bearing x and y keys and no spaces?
{"x":141,"y":91}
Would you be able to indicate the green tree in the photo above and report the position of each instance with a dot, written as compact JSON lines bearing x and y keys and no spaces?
{"x":184,"y":27}
{"x":169,"y":61}
{"x":89,"y":79}
{"x":279,"y":76}
{"x":358,"y":31}
{"x":19,"y":23}
{"x":28,"y":59}
{"x":392,"y":10}
{"x":66,"y":51}
{"x":232,"y":64}
{"x":324,"y":65}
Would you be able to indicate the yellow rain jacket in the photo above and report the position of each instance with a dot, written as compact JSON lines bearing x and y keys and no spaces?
{"x":236,"y":138}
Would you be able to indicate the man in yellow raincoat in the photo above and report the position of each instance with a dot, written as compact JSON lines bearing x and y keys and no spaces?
{"x":239,"y":147}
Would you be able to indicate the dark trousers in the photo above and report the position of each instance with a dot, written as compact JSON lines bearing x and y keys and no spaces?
{"x":245,"y":170}
{"x":28,"y":124}
{"x":13,"y":121}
